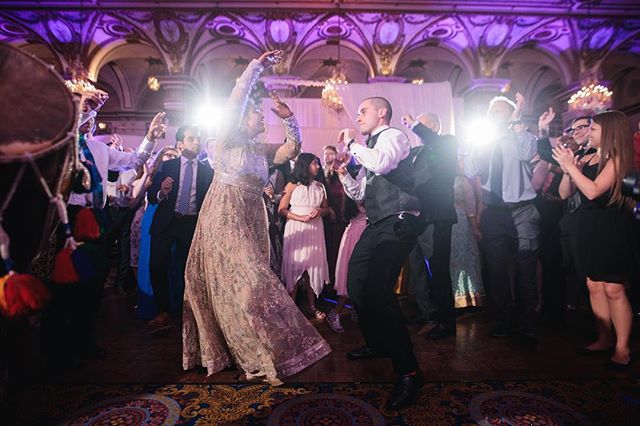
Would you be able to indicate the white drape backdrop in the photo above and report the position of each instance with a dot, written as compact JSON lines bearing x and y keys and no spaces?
{"x":405,"y":99}
{"x":320,"y":127}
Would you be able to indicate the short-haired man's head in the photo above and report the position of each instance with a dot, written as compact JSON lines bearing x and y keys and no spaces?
{"x":579,"y":129}
{"x":501,"y":109}
{"x":329,"y":153}
{"x":188,"y":139}
{"x":373,"y":113}
{"x":381,"y":103}
{"x":182,"y":130}
{"x":209,"y":147}
{"x":430,"y":120}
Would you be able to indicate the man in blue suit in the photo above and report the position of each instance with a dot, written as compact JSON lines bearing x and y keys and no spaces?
{"x":179,"y":188}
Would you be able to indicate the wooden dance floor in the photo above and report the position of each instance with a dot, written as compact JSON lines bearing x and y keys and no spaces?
{"x":135,"y":355}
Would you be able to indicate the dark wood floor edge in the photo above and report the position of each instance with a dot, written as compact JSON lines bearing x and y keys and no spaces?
{"x":293,"y":384}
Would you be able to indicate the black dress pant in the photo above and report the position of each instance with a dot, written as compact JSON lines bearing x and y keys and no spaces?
{"x":120,"y":233}
{"x":373,"y":269}
{"x":441,"y":273}
{"x":508,"y":234}
{"x":176,"y":236}
{"x":420,"y":287}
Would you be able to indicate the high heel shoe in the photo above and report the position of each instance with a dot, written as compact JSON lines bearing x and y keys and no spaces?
{"x":616,"y":366}
{"x":334,"y":322}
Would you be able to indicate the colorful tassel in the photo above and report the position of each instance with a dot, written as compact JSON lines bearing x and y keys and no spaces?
{"x":22,"y":294}
{"x":98,"y":259}
{"x":3,"y":300}
{"x":64,"y":271}
{"x":82,"y":263}
{"x":86,"y":227}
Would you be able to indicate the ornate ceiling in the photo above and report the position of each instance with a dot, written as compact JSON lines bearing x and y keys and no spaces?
{"x":542,"y":46}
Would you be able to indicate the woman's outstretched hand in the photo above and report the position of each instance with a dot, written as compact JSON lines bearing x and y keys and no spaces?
{"x":281,"y":109}
{"x":270,"y":58}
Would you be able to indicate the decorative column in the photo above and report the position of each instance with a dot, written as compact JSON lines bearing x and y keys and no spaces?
{"x":178,"y":93}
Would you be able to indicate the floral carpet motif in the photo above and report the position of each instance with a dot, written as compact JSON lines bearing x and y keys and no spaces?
{"x":514,"y":407}
{"x":137,"y":410}
{"x":588,"y":401}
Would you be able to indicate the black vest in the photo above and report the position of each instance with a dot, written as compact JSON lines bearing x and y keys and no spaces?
{"x":386,"y":195}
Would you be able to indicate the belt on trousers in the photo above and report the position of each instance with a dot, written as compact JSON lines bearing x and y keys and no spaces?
{"x":398,"y":215}
{"x":510,"y":206}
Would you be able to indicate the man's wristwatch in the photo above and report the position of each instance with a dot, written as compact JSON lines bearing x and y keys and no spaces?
{"x":351,"y":142}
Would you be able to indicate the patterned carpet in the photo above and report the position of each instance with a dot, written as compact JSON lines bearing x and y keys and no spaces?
{"x":576,"y":402}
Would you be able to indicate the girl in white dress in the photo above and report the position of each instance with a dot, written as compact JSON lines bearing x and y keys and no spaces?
{"x":304,"y":256}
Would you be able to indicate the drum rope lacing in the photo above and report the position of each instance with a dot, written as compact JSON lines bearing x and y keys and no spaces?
{"x":57,"y":200}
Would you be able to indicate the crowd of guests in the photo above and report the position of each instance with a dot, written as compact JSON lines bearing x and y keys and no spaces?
{"x":518,"y":226}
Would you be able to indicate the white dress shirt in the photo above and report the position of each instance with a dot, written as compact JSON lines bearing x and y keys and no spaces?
{"x":110,"y":159}
{"x":121,"y":199}
{"x":518,"y":150}
{"x":391,"y":148}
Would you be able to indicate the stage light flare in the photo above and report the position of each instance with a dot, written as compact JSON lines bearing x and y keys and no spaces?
{"x":208,"y":115}
{"x":481,"y":131}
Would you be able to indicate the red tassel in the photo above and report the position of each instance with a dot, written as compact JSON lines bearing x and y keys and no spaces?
{"x":86,"y":227}
{"x":63,"y":269}
{"x":33,"y":293}
{"x":23,"y":294}
{"x":13,"y":301}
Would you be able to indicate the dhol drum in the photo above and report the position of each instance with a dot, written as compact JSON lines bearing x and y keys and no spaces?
{"x":38,"y":122}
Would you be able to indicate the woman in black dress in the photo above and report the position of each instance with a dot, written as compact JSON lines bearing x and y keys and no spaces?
{"x":602,"y":229}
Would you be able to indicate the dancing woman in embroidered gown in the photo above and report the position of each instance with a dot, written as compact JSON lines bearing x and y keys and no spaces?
{"x":236,"y":310}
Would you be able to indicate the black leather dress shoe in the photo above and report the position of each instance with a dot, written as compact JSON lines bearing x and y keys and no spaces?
{"x":405,"y":391}
{"x":441,"y":331}
{"x":364,"y":352}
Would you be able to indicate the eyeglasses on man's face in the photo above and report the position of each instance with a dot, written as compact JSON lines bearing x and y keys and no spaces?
{"x":572,"y":130}
{"x":578,"y":128}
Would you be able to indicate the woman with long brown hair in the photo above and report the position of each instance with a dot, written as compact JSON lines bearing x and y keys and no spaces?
{"x":602,"y":229}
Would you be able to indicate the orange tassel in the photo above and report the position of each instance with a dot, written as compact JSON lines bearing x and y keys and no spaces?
{"x":3,"y":300}
{"x":63,"y":269}
{"x":23,"y":294}
{"x":86,"y":227}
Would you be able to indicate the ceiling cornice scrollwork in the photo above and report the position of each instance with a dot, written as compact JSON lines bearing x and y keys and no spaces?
{"x":380,"y":39}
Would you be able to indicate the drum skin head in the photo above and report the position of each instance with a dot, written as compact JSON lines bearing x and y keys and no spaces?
{"x":38,"y":116}
{"x":36,"y":108}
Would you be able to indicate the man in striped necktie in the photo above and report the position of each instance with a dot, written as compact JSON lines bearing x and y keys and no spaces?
{"x":178,"y":188}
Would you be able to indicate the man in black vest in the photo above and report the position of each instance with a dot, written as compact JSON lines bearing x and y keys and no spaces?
{"x":385,"y":243}
{"x":178,"y":188}
{"x":442,"y":157}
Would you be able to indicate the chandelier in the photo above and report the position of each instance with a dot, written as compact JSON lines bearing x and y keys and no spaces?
{"x":593,"y":97}
{"x":330,"y":95}
{"x":153,"y":83}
